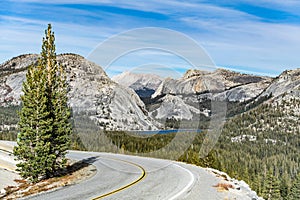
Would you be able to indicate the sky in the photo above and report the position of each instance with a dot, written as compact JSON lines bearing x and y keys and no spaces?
{"x":257,"y":37}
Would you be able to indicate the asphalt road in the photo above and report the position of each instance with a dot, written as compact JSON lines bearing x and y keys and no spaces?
{"x":131,"y":177}
{"x":126,"y":177}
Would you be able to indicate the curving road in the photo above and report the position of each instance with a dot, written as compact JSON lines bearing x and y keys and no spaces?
{"x":131,"y":177}
{"x":126,"y":177}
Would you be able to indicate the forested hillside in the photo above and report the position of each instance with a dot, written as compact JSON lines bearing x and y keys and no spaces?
{"x":264,"y":144}
{"x":8,"y":122}
{"x":260,"y":146}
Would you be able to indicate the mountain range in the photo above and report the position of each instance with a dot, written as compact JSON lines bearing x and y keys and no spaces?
{"x":132,"y":101}
{"x":261,"y":119}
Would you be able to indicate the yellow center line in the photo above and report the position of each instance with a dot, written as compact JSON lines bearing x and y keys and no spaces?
{"x":128,"y":185}
{"x":6,"y":150}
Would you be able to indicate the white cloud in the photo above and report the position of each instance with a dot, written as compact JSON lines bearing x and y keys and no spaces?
{"x":24,"y":35}
{"x":231,"y":37}
{"x":249,"y":43}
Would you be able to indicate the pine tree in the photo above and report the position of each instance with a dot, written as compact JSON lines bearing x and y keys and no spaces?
{"x":284,"y":186}
{"x":257,"y":184}
{"x":271,"y":187}
{"x":295,"y":189}
{"x":44,"y":118}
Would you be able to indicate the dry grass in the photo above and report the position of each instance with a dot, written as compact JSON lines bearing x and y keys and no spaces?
{"x":224,"y":186}
{"x":75,"y":173}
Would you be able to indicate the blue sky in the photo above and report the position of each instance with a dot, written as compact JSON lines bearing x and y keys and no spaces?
{"x":259,"y":37}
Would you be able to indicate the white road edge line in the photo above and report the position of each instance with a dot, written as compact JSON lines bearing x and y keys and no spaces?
{"x":187,"y":186}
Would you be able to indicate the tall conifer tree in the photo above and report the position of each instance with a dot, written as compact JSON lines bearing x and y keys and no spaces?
{"x":295,"y":189}
{"x":44,"y":118}
{"x":271,"y":189}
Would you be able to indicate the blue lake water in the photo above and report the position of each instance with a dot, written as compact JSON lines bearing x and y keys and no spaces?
{"x":169,"y":131}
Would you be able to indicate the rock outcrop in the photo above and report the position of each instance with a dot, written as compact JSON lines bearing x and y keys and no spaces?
{"x":143,"y":84}
{"x":110,"y":105}
{"x":197,"y":87}
{"x":233,"y":86}
{"x":285,"y":83}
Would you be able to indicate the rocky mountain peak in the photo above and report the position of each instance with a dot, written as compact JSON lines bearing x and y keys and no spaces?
{"x":290,"y":74}
{"x":196,"y":81}
{"x":143,"y":84}
{"x":201,"y":86}
{"x":193,"y":72}
{"x":74,"y":61}
{"x":18,"y":63}
{"x":91,"y":91}
{"x":285,"y":83}
{"x":138,"y":80}
{"x":226,"y":72}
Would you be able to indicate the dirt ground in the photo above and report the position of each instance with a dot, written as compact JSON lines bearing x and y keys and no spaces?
{"x":7,"y":178}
